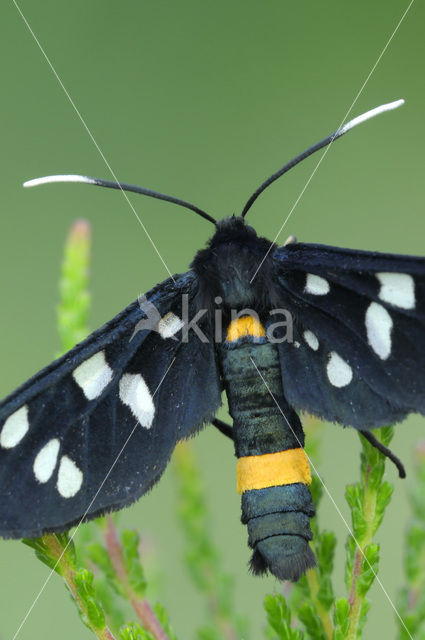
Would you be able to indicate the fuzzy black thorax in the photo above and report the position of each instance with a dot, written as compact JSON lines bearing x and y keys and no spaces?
{"x":228,"y":267}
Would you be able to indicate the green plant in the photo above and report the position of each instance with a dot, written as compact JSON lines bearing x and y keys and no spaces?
{"x":411,"y":601}
{"x":202,"y":557}
{"x":104,"y":573}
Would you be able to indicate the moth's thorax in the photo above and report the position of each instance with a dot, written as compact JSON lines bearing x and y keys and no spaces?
{"x":228,"y":267}
{"x":235,"y":267}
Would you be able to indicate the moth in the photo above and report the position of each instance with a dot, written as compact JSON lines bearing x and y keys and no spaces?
{"x":330,"y":331}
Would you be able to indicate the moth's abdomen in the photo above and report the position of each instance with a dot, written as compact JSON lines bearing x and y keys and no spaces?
{"x":273,"y":473}
{"x":279,"y":529}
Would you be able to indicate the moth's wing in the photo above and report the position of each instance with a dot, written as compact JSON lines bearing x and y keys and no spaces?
{"x":94,"y":430}
{"x":358,"y":350}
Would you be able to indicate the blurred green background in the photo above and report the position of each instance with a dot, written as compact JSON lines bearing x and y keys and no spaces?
{"x":203,"y":101}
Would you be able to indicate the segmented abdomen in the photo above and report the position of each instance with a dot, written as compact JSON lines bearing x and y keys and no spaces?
{"x":273,"y":471}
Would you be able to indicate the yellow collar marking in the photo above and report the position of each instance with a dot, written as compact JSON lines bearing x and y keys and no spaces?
{"x":245,"y":326}
{"x":272,"y":470}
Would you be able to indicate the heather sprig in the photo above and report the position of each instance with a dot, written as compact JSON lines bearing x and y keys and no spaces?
{"x":411,"y":600}
{"x":103,"y":573}
{"x":313,"y":605}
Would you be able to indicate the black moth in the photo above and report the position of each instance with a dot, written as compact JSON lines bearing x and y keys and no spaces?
{"x":331,"y":331}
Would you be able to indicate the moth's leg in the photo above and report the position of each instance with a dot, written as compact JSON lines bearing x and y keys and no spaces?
{"x":387,"y":452}
{"x":223,"y":427}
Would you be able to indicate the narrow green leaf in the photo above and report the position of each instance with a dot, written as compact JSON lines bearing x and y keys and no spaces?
{"x":325,"y":595}
{"x":312,"y":622}
{"x":341,"y":611}
{"x":163,"y":618}
{"x":369,"y":569}
{"x":363,"y":617}
{"x":279,"y":618}
{"x":130,"y":544}
{"x":325,"y":544}
{"x":135,"y":632}
{"x":92,"y":609}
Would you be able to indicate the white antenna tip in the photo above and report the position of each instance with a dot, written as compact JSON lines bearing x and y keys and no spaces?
{"x":60,"y":178}
{"x":370,"y":114}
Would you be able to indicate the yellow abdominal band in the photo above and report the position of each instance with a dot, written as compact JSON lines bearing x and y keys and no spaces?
{"x":245,"y":326}
{"x":272,"y":470}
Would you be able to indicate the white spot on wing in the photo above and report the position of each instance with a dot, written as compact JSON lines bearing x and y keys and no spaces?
{"x":45,"y":460}
{"x":397,"y":289}
{"x":14,"y":428}
{"x":311,"y":339}
{"x":339,"y":372}
{"x":70,"y":478}
{"x":135,"y":394}
{"x":316,"y":285}
{"x":379,"y":326}
{"x":290,"y":240}
{"x":169,"y":325}
{"x":93,"y":375}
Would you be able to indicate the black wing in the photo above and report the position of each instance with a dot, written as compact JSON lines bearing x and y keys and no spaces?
{"x":358,"y":350}
{"x":94,"y":430}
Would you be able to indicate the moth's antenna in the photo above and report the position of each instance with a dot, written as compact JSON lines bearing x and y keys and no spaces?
{"x":122,"y":186}
{"x":319,"y":145}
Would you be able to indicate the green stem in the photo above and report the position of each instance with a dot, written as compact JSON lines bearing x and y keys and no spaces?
{"x":68,"y":573}
{"x":227,"y":631}
{"x":355,"y":599}
{"x":208,"y":575}
{"x":325,"y":617}
{"x":74,"y":302}
{"x":140,"y":605}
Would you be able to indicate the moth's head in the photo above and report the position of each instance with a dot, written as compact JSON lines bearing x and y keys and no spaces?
{"x":232,"y":236}
{"x":225,"y":268}
{"x":232,"y":229}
